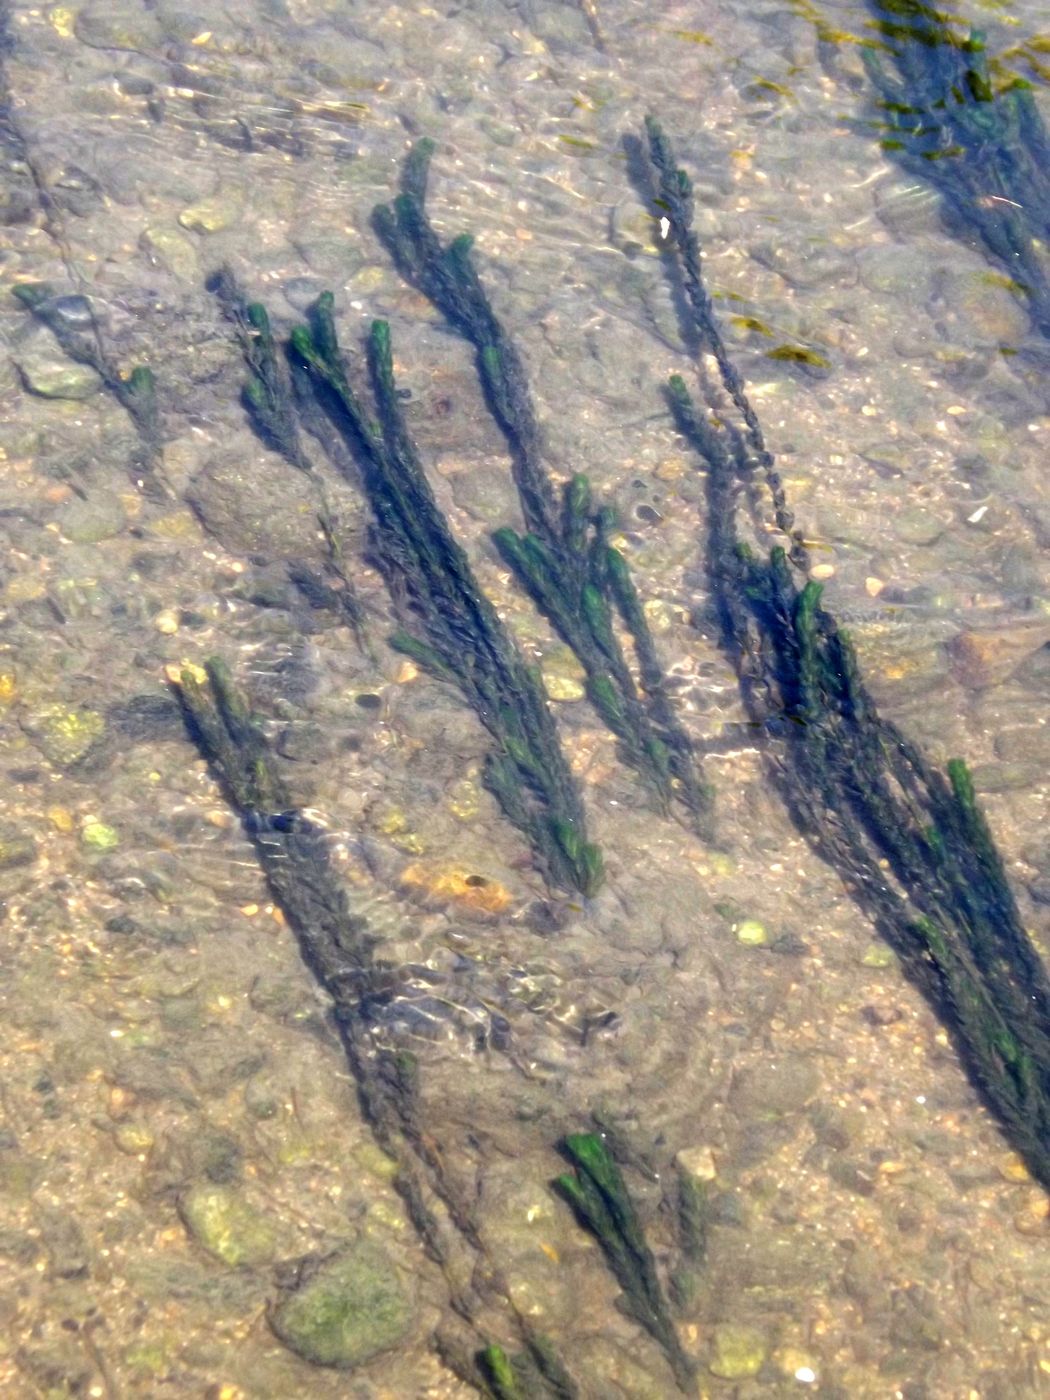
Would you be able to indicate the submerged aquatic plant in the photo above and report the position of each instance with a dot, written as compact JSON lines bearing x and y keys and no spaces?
{"x":984,"y":148}
{"x":909,"y":840}
{"x":452,"y":630}
{"x":457,"y":634}
{"x":72,"y":322}
{"x":340,"y":950}
{"x":578,"y":580}
{"x":597,"y":1192}
{"x":272,"y":403}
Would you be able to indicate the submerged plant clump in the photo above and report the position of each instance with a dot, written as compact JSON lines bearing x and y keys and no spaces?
{"x":453,"y":631}
{"x":72,"y":322}
{"x":597,"y":1192}
{"x":578,"y":580}
{"x":909,"y":840}
{"x":984,"y":148}
{"x":340,"y":950}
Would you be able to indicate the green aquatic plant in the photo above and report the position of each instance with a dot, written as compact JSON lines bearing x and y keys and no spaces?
{"x":578,"y":580}
{"x":909,"y":840}
{"x":272,"y":403}
{"x":983,"y":146}
{"x":499,"y":1373}
{"x":341,"y":951}
{"x":72,"y":321}
{"x":597,"y":1193}
{"x":452,"y":630}
{"x":456,"y":633}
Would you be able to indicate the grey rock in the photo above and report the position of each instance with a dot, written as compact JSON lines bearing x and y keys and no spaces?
{"x":487,"y":494}
{"x":906,"y":207}
{"x":111,"y":24}
{"x":812,"y":264}
{"x":1025,"y":744}
{"x":224,"y":1224}
{"x":893,"y":269}
{"x":785,"y":1085}
{"x":258,"y":507}
{"x":92,"y":518}
{"x":17,"y":847}
{"x":171,"y":249}
{"x":76,"y":312}
{"x":301,"y":292}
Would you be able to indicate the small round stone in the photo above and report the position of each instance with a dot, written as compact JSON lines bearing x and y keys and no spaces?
{"x":751,"y":933}
{"x":697,"y":1162}
{"x":739,"y":1351}
{"x":99,"y":836}
{"x":73,"y":311}
{"x":212,"y":215}
{"x":226,"y":1226}
{"x":563,"y":687}
{"x":167,"y":622}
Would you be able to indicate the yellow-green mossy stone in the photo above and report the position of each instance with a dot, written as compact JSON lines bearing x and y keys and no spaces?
{"x":345,"y":1309}
{"x":226,"y":1225}
{"x":739,"y":1351}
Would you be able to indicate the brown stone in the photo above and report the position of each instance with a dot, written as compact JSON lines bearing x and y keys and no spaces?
{"x":987,"y":658}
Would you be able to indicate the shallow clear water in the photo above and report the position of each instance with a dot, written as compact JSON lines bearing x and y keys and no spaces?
{"x":180,"y":1122}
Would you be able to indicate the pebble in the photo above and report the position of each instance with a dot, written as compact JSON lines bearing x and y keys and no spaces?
{"x":331,"y":255}
{"x":52,"y":376}
{"x":772,"y":1090}
{"x":133,"y":1139}
{"x":1033,"y":1218}
{"x":61,"y":818}
{"x":99,"y":836}
{"x":1006,"y":777}
{"x":887,"y":268}
{"x":487,"y":494}
{"x":223,"y":1223}
{"x":563,"y":676}
{"x":980,"y":309}
{"x":167,"y":622}
{"x":563,"y":688}
{"x":345,"y":1309}
{"x":811,"y":264}
{"x":697,"y":1162}
{"x":738,"y":1351}
{"x":64,"y":735}
{"x":110,"y":24}
{"x":172,"y":250}
{"x":906,"y":207}
{"x":17,"y":848}
{"x":1025,"y":744}
{"x":751,"y":933}
{"x":987,"y":658}
{"x":1012,"y":1168}
{"x":467,"y":893}
{"x":796,"y":1364}
{"x":258,"y":506}
{"x":214,"y":214}
{"x":75,"y":311}
{"x":916,"y":526}
{"x":93,"y":518}
{"x":301,"y":292}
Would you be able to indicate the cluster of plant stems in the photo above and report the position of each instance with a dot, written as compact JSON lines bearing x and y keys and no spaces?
{"x":908,"y":838}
